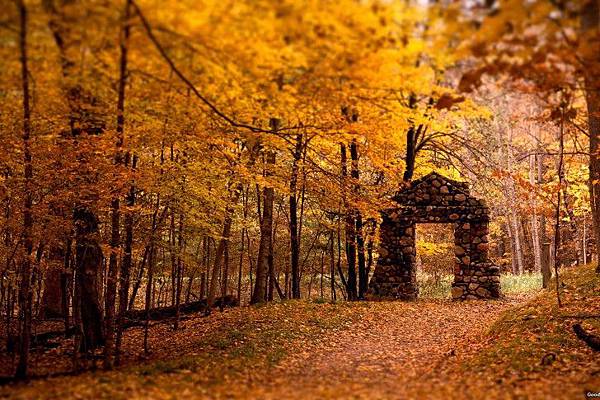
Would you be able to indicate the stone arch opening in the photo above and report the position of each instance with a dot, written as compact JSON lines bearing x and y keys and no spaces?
{"x":434,"y":258}
{"x":435,"y":199}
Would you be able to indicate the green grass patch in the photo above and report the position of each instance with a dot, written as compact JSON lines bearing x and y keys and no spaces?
{"x":518,"y":284}
{"x":170,"y":366}
{"x":261,"y":337}
{"x":433,"y":286}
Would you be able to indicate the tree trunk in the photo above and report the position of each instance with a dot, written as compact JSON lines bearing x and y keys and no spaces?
{"x":173,"y":256}
{"x":52,"y":298}
{"x":149,"y":293}
{"x":411,"y":143}
{"x":111,"y":284}
{"x":410,"y":154}
{"x":518,"y":253}
{"x":180,"y":271}
{"x":88,"y":264}
{"x":294,"y":240}
{"x":125,"y":273}
{"x":543,"y":238}
{"x":350,"y":232}
{"x":84,"y":118}
{"x":557,"y":241}
{"x":234,"y":198}
{"x":590,"y":25}
{"x":332,"y":266}
{"x":25,"y":293}
{"x":546,"y":262}
{"x":584,"y":241}
{"x":225,"y":277}
{"x":243,"y":242}
{"x":536,"y":244}
{"x":219,"y":254}
{"x":360,"y":240}
{"x":138,"y":279}
{"x":266,"y":236}
{"x":574,"y":256}
{"x":66,"y":282}
{"x":270,"y":259}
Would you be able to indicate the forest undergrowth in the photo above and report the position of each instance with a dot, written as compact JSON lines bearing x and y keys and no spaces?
{"x":385,"y":349}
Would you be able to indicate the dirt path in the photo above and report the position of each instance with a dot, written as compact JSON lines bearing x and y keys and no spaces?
{"x":366,"y":350}
{"x":392,"y":353}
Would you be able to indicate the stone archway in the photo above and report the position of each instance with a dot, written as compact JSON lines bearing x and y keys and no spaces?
{"x":435,"y":199}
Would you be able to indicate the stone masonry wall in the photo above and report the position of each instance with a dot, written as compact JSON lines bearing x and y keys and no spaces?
{"x":435,"y":199}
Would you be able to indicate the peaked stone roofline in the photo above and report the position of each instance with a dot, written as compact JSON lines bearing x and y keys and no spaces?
{"x":435,"y":189}
{"x":432,"y":176}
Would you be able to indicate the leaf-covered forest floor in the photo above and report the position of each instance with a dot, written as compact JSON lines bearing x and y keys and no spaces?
{"x":513,"y":348}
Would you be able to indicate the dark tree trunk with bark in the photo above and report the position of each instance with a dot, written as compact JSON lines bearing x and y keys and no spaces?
{"x":259,"y":294}
{"x":220,"y":253}
{"x":125,"y":275}
{"x":266,"y":235}
{"x":66,"y":282}
{"x":179,"y":275}
{"x":412,"y":138}
{"x":115,"y":242}
{"x":590,"y":24}
{"x":410,"y":154}
{"x":360,"y":240}
{"x":225,"y":277}
{"x":25,"y":291}
{"x":294,"y":239}
{"x":350,"y":231}
{"x":111,"y":284}
{"x":84,"y":118}
{"x":52,"y":306}
{"x":148,"y":297}
{"x":88,"y":264}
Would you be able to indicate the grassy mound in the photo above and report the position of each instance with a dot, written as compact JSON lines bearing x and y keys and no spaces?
{"x":532,"y":351}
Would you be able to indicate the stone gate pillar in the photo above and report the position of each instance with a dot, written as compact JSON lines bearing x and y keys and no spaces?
{"x":474,"y":276}
{"x":395,"y":273}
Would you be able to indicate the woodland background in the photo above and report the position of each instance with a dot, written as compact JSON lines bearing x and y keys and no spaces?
{"x":165,"y":155}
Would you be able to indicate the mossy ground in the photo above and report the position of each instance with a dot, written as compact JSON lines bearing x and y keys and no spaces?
{"x":532,"y":351}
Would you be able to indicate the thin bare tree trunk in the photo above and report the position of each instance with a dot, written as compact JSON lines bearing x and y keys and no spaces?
{"x":220,"y":252}
{"x":266,"y":232}
{"x":266,"y":236}
{"x":25,"y":293}
{"x":557,"y":243}
{"x":294,"y":239}
{"x":332,"y":266}
{"x":537,"y":252}
{"x":84,"y":118}
{"x":584,"y":241}
{"x":66,"y":282}
{"x":225,"y":277}
{"x":590,"y":25}
{"x":149,"y":293}
{"x":233,"y":200}
{"x":179,"y":277}
{"x":116,"y":237}
{"x":350,"y":231}
{"x":241,"y":264}
{"x":360,"y":240}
